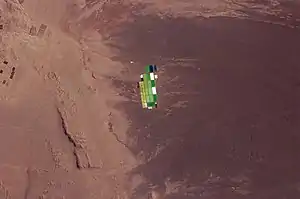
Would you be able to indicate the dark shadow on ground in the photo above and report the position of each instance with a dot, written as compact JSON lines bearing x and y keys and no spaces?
{"x":239,"y":136}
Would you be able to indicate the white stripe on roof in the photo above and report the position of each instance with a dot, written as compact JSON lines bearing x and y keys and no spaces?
{"x":152,"y":76}
{"x":154,"y":90}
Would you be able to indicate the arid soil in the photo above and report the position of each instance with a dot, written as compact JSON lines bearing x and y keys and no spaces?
{"x":227,"y":125}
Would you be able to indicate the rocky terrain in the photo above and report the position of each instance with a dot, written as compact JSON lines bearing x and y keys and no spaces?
{"x":72,"y":125}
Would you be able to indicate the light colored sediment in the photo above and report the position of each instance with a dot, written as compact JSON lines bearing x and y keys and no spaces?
{"x":54,"y":112}
{"x":60,"y":135}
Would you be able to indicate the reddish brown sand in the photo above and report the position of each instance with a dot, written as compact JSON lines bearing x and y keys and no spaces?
{"x":72,"y":126}
{"x":227,"y":124}
{"x":229,"y":106}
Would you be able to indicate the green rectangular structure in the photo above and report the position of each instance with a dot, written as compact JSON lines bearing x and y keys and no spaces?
{"x":147,"y":85}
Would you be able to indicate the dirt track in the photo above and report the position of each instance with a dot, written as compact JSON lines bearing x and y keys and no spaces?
{"x":227,"y":123}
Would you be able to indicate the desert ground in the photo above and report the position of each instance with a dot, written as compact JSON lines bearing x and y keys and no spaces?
{"x":227,"y":125}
